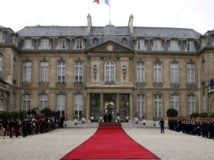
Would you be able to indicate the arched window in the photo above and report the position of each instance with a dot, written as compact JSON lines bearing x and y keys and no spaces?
{"x":109,"y":72}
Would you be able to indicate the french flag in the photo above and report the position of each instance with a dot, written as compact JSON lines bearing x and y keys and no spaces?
{"x":102,"y":2}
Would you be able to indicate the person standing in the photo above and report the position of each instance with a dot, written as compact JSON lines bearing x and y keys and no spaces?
{"x":161,"y":123}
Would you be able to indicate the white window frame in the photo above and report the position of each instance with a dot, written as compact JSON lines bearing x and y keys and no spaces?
{"x":157,"y":72}
{"x":158,"y":106}
{"x":61,"y":72}
{"x":78,"y":72}
{"x":141,"y":44}
{"x":78,"y":104}
{"x":140,"y":107}
{"x":1,"y":66}
{"x":190,"y":46}
{"x":27,"y":72}
{"x":141,"y":72}
{"x":61,"y":102}
{"x":28,"y":44}
{"x":110,"y":71}
{"x":61,"y":43}
{"x":2,"y":103}
{"x":2,"y":37}
{"x":174,"y":102}
{"x":44,"y":43}
{"x":174,"y":45}
{"x":174,"y":73}
{"x":79,"y":43}
{"x":191,"y":105}
{"x":26,"y":102}
{"x":44,"y":72}
{"x":190,"y":73}
{"x":43,"y":99}
{"x":157,"y":45}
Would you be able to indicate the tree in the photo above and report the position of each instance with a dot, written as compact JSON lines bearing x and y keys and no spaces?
{"x":47,"y":112}
{"x":171,"y":112}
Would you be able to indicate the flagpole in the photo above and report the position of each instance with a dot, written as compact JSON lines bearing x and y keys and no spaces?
{"x":109,"y":12}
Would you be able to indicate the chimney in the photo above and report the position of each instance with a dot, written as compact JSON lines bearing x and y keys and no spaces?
{"x":130,"y":24}
{"x":89,"y":23}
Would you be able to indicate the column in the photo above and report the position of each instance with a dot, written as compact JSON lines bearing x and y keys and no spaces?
{"x":88,"y":105}
{"x":101,"y":103}
{"x":117,"y":103}
{"x":131,"y":106}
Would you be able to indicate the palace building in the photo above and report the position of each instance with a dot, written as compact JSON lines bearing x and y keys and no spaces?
{"x":83,"y":69}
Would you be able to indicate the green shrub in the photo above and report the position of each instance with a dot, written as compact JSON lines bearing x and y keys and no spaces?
{"x":211,"y":114}
{"x":47,"y":112}
{"x":203,"y":115}
{"x":171,"y":112}
{"x":195,"y":115}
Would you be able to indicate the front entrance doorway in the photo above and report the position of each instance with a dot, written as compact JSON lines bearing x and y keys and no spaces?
{"x":111,"y":105}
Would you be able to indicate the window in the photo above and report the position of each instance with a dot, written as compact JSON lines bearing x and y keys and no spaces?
{"x":203,"y":42}
{"x":26,"y":102}
{"x":78,"y":72}
{"x":109,"y":72}
{"x":141,"y":45}
{"x":158,"y":106}
{"x":124,"y":41}
{"x":78,"y":104}
{"x":157,"y":73}
{"x":203,"y":70}
{"x":1,"y":103}
{"x":140,"y":72}
{"x":2,"y":36}
{"x":157,"y":45}
{"x":140,"y":110}
{"x":95,"y":41}
{"x":174,"y":45}
{"x":61,"y":43}
{"x":43,"y":99}
{"x":28,"y":44}
{"x":61,"y":103}
{"x":190,"y":46}
{"x":191,"y":73}
{"x":79,"y":43}
{"x":1,"y":67}
{"x":174,"y":73}
{"x":174,"y":102}
{"x":61,"y":70}
{"x":45,"y":44}
{"x":14,"y":40}
{"x":14,"y":70}
{"x":27,"y":69}
{"x":44,"y":70}
{"x":191,"y":104}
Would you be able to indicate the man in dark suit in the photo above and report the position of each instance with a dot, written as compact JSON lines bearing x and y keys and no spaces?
{"x":161,"y":123}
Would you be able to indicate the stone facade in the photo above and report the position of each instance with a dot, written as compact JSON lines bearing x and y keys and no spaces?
{"x":89,"y":67}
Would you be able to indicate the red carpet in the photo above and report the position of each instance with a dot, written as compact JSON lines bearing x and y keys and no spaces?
{"x":110,"y":142}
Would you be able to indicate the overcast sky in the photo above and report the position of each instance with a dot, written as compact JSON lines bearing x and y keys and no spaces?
{"x":195,"y":14}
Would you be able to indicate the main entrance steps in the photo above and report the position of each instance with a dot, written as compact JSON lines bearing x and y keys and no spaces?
{"x":130,"y":124}
{"x":110,"y":125}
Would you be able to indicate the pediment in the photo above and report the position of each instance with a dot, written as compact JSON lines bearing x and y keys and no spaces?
{"x":109,"y":46}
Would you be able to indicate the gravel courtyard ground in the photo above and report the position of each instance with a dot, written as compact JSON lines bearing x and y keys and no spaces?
{"x":55,"y":144}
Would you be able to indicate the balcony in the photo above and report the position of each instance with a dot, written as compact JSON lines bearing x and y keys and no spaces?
{"x":140,"y":84}
{"x":26,"y":83}
{"x":158,"y":84}
{"x":174,"y":85}
{"x":43,"y":83}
